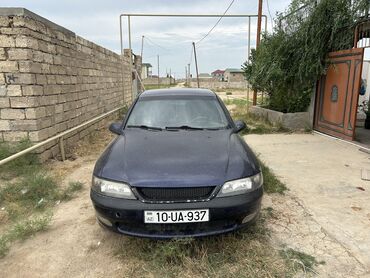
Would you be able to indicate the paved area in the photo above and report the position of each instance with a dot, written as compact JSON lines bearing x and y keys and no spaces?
{"x":324,"y":179}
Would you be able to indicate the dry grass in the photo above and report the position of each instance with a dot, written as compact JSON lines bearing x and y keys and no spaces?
{"x":255,"y":124}
{"x":243,"y":254}
{"x":93,"y":144}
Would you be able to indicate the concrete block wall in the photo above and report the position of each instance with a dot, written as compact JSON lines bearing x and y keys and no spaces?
{"x":292,"y":121}
{"x":52,"y":80}
{"x":215,"y":84}
{"x":162,"y":81}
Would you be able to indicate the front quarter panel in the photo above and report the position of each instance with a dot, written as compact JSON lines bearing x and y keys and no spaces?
{"x":242,"y":160}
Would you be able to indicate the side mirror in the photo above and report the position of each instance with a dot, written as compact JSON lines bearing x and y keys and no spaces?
{"x":239,"y":126}
{"x":116,"y":128}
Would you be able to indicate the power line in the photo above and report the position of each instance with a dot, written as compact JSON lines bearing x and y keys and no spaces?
{"x":154,"y":43}
{"x":218,"y":21}
{"x":272,"y":22}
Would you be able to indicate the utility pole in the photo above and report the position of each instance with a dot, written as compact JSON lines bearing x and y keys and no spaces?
{"x":142,"y":47}
{"x":170,"y":76}
{"x":196,"y":63}
{"x":249,"y":52}
{"x":158,"y":69}
{"x":186,"y":75}
{"x":258,"y":41}
{"x":189,"y":72}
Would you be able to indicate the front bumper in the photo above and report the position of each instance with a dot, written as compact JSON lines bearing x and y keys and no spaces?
{"x":226,"y":214}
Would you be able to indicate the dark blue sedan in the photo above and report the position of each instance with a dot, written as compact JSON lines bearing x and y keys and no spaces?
{"x":178,"y":168}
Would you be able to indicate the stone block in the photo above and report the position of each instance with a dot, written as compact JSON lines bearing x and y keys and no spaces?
{"x":4,"y":102}
{"x":41,"y":79}
{"x":14,"y":90}
{"x":12,"y":114}
{"x":40,"y":135}
{"x":4,"y":21}
{"x":8,"y":66}
{"x":14,"y":136}
{"x":30,"y":66}
{"x":7,"y":41}
{"x":24,"y":102}
{"x":35,"y":113}
{"x":20,"y":78}
{"x":32,"y":90}
{"x":25,"y":125}
{"x":20,"y":54}
{"x":5,"y":125}
{"x":26,"y":42}
{"x":2,"y":54}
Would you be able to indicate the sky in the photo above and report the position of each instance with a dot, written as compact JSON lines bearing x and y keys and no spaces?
{"x":170,"y":38}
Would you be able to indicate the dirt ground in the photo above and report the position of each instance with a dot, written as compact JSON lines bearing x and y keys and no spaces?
{"x":324,"y":180}
{"x":76,"y":246}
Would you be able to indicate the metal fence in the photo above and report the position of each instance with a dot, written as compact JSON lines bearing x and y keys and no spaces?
{"x":59,"y":137}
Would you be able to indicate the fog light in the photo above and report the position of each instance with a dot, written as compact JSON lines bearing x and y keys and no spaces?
{"x":249,"y":217}
{"x":104,"y":220}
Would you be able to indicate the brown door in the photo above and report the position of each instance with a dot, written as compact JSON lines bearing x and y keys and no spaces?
{"x":337,"y":94}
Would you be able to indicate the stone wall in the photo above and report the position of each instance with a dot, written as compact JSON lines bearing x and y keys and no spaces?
{"x":214,"y":85}
{"x":52,"y":80}
{"x":292,"y":121}
{"x":162,"y":81}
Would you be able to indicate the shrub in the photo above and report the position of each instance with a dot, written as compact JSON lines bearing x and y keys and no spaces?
{"x":289,"y":61}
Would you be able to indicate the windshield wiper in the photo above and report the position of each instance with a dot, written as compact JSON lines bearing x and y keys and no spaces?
{"x":145,"y":127}
{"x":185,"y":127}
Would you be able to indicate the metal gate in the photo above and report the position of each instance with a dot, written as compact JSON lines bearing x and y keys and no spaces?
{"x":337,"y":94}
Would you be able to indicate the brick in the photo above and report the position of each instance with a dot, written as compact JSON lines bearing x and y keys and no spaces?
{"x":24,"y":102}
{"x":19,"y":54}
{"x":21,"y":21}
{"x":14,"y":90}
{"x":30,"y":66}
{"x":20,"y":78}
{"x":3,"y":90}
{"x":28,"y":42}
{"x":2,"y":54}
{"x":4,"y":102}
{"x":25,"y":125}
{"x":2,"y":78}
{"x":39,"y":135}
{"x":35,"y":113}
{"x":59,"y":108}
{"x":8,"y":66}
{"x":6,"y":41}
{"x":32,"y":90}
{"x":14,"y":136}
{"x":12,"y":114}
{"x":41,"y":79}
{"x":4,"y":21}
{"x":48,"y":100}
{"x":4,"y":125}
{"x":52,"y":89}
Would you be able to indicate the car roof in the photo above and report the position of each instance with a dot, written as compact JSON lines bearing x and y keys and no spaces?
{"x":178,"y":92}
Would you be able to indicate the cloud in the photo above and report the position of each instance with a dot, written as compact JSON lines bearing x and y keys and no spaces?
{"x":98,"y":21}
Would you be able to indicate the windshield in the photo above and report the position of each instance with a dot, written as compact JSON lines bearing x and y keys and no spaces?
{"x":187,"y":113}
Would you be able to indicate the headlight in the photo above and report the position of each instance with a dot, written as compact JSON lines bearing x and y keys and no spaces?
{"x":111,"y":188}
{"x":241,"y":186}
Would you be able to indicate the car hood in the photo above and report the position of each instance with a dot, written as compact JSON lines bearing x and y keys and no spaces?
{"x":176,"y":158}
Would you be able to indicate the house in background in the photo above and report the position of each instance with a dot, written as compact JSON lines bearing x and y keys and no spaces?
{"x":205,"y":75}
{"x":146,"y":70}
{"x":234,"y":75}
{"x":218,"y":74}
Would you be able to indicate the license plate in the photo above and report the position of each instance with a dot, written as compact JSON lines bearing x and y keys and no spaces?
{"x":176,"y":216}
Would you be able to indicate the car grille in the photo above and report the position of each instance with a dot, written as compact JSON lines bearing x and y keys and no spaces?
{"x":175,"y":194}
